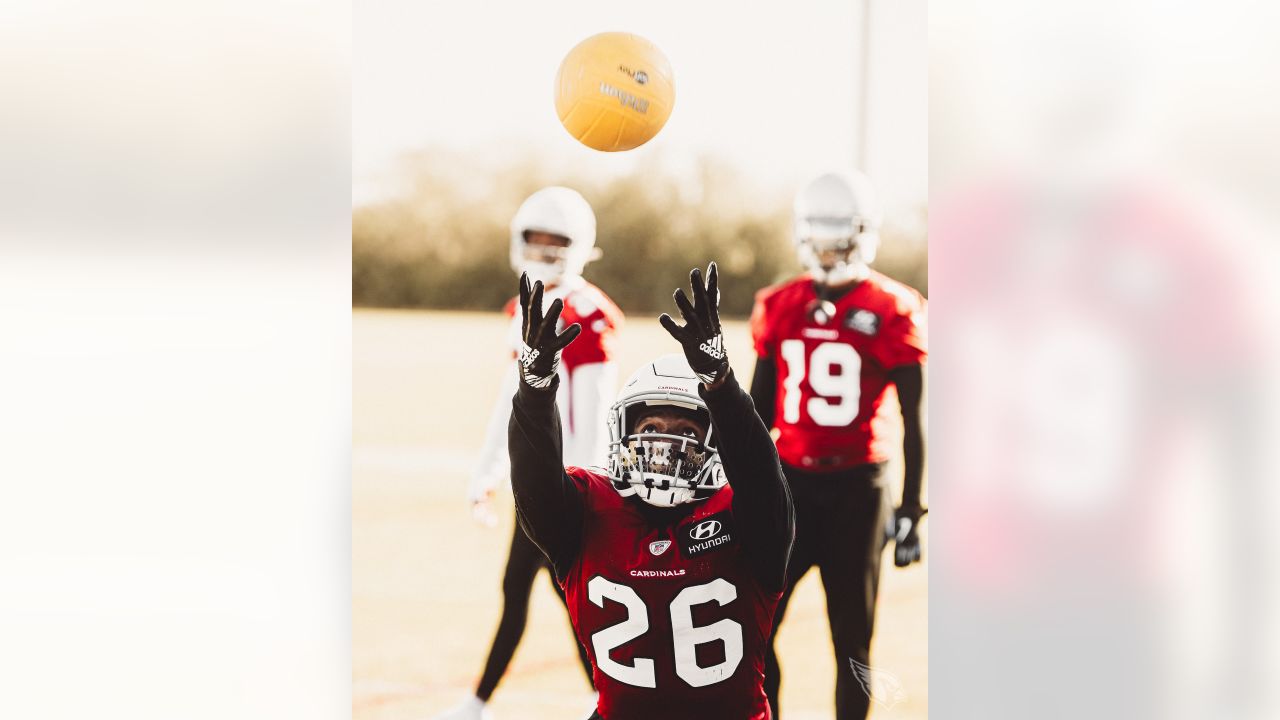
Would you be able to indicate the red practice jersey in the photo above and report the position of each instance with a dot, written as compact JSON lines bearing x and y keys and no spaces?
{"x":833,"y":378}
{"x":672,"y":615}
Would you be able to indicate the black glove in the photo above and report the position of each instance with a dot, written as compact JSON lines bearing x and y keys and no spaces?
{"x":906,"y":523}
{"x":540,"y":355}
{"x":700,"y":337}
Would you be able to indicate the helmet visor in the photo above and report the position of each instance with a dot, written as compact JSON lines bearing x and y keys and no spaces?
{"x":828,"y":228}
{"x":542,"y":248}
{"x":831,"y":253}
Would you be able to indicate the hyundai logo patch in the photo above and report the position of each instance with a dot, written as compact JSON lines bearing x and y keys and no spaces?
{"x":706,"y":534}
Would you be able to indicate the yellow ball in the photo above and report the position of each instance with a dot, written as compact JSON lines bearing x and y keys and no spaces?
{"x":614,"y":91}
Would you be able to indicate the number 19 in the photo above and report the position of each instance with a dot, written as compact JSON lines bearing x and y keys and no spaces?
{"x":838,"y":404}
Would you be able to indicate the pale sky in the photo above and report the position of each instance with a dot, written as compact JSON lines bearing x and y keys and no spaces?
{"x":771,"y":87}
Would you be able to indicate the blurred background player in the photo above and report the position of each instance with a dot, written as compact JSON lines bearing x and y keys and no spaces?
{"x":830,"y":345}
{"x":553,"y":237}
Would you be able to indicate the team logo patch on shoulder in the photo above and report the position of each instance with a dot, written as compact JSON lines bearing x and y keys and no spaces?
{"x":704,"y":535}
{"x":863,"y":321}
{"x":658,"y":547}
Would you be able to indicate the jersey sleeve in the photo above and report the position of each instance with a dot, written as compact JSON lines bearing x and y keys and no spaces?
{"x":591,"y":389}
{"x":492,"y":467}
{"x":903,"y":341}
{"x":761,"y":338}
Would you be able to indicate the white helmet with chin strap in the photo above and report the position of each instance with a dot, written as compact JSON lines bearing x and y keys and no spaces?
{"x":555,"y":211}
{"x":837,"y":223}
{"x":660,"y":469}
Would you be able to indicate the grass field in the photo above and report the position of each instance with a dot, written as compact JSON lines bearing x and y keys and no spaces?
{"x":426,"y":578}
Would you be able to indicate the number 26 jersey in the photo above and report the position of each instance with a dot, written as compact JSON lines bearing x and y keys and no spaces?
{"x":669,"y":608}
{"x":833,"y":377}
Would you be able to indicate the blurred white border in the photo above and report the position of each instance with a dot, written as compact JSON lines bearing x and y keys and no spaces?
{"x":175,"y":400}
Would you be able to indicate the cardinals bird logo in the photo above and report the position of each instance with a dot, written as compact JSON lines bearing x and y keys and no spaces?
{"x":882,"y":687}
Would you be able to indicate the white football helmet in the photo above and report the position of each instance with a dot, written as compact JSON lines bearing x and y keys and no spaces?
{"x":837,"y":223}
{"x":662,"y":470}
{"x":558,"y":211}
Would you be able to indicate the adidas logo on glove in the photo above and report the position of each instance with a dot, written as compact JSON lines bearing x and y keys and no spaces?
{"x":714,"y":347}
{"x":530,"y":355}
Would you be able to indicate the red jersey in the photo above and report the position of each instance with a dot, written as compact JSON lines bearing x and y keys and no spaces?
{"x":672,"y":616}
{"x":833,"y":377}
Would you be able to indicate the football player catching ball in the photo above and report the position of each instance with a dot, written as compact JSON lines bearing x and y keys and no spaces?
{"x":830,"y":345}
{"x":553,"y":236}
{"x":672,"y":561}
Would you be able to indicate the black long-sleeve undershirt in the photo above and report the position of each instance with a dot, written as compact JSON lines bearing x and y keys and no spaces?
{"x":909,"y":380}
{"x":764,"y":389}
{"x":761,"y":497}
{"x":549,"y":504}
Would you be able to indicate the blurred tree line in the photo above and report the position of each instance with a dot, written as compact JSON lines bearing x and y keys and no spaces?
{"x":442,"y":240}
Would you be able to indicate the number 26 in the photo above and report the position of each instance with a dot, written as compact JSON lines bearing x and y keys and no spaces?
{"x":685,"y":636}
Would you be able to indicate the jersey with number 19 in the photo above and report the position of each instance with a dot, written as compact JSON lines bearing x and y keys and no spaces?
{"x":833,"y":376}
{"x":671,"y":612}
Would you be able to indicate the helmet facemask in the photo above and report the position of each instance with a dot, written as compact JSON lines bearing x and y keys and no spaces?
{"x":836,"y":250}
{"x":662,"y":469}
{"x":545,"y":262}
